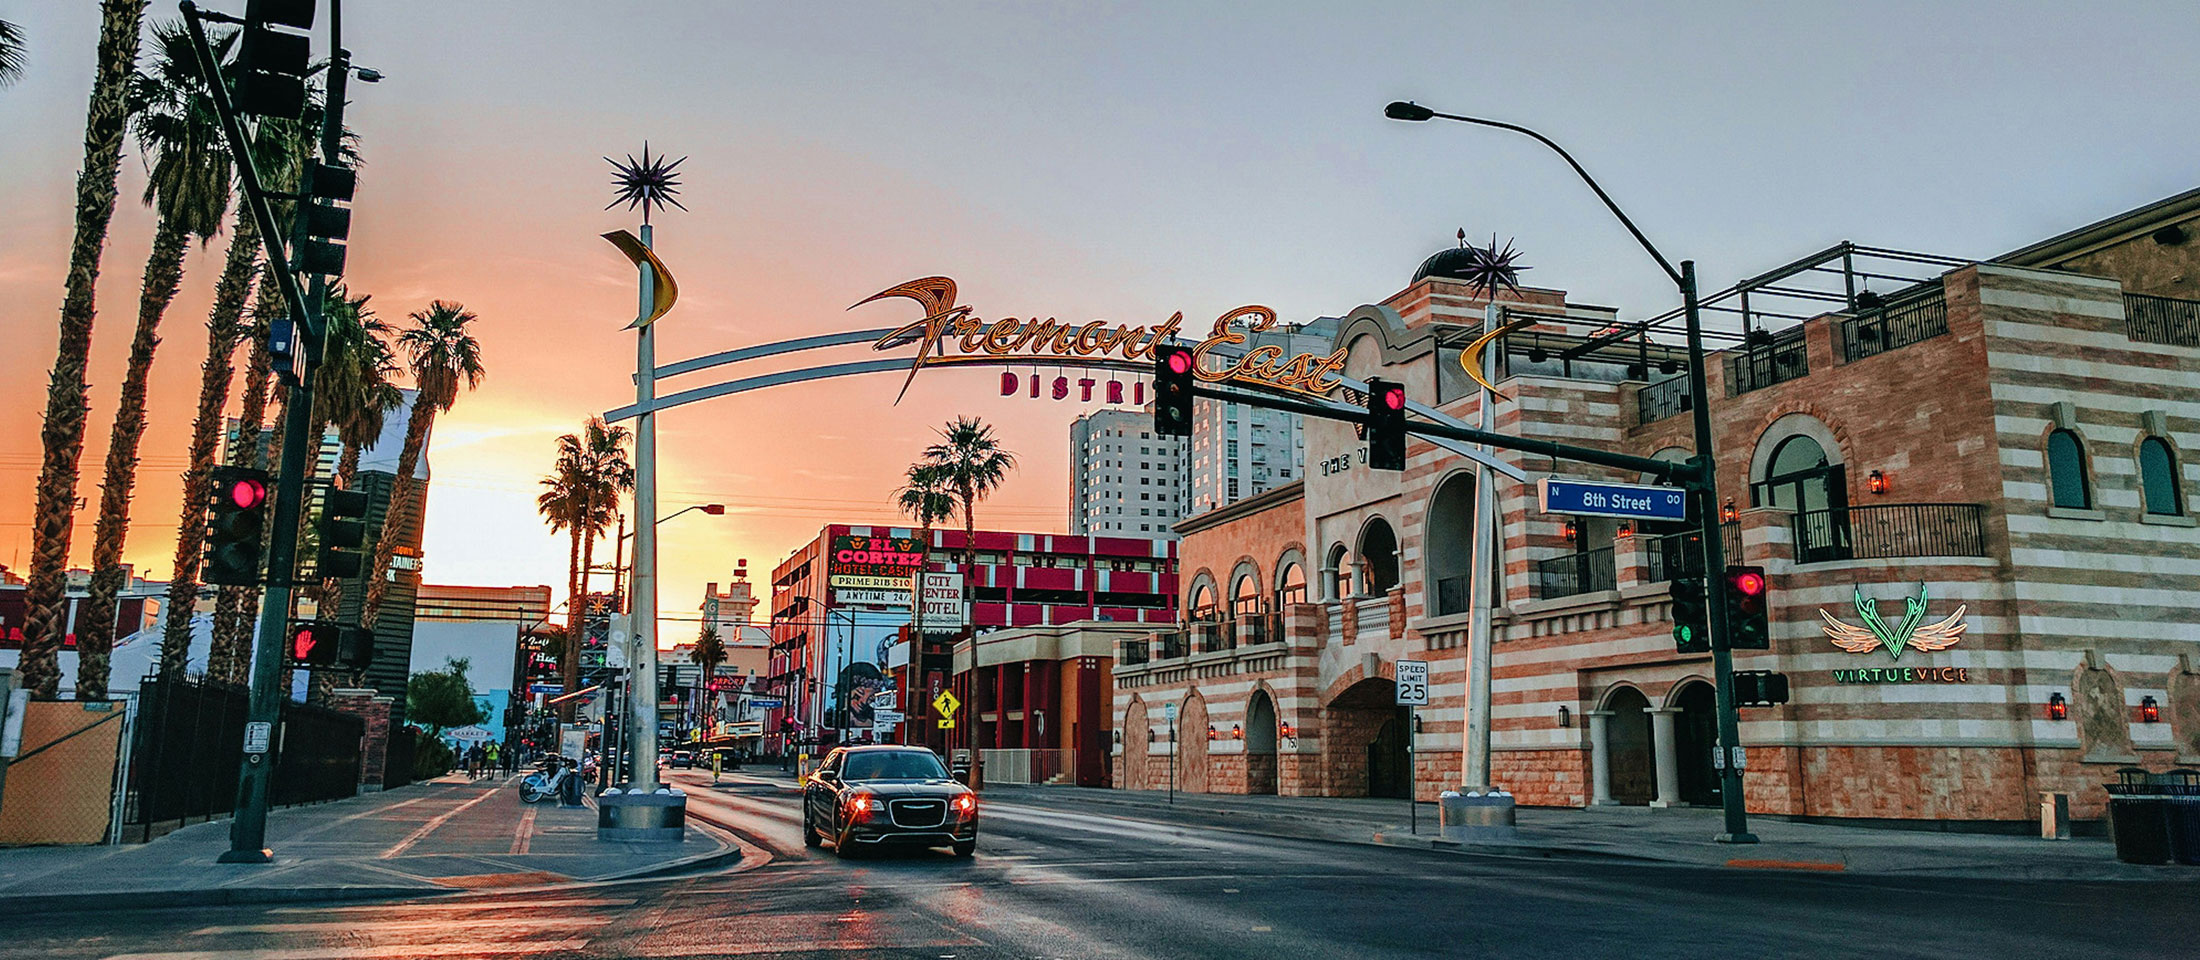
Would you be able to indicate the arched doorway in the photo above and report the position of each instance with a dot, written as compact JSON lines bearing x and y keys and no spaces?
{"x":1450,"y":546}
{"x":1191,"y":744}
{"x":1379,"y":556}
{"x":1260,"y":744}
{"x":1137,"y":737}
{"x":1800,"y":477}
{"x":1695,"y":738}
{"x":1633,"y":758}
{"x":1365,"y":742}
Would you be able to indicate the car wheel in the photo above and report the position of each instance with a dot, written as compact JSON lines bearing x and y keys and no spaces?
{"x":810,"y":838}
{"x":964,"y":848}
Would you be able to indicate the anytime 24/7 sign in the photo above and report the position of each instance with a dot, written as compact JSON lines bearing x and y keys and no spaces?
{"x":873,"y":563}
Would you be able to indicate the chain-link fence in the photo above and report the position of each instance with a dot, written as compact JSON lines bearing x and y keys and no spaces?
{"x":60,"y":781}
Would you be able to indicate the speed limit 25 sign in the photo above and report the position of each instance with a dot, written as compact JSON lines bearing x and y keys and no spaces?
{"x":1413,"y":683}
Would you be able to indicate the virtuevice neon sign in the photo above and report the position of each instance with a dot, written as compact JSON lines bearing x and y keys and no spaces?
{"x":952,"y":334}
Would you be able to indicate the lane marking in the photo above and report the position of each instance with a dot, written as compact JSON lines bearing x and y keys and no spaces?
{"x":464,"y":905}
{"x":401,"y":926}
{"x":392,"y":952}
{"x":524,"y":834}
{"x":432,"y":825}
{"x":1788,"y":865}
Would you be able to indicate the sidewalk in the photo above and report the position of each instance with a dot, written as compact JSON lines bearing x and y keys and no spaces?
{"x":442,"y":836}
{"x":1677,"y":836}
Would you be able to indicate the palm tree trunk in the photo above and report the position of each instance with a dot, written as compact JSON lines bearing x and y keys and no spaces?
{"x":397,"y":519}
{"x":230,"y":295}
{"x":569,"y":656}
{"x":230,"y":656}
{"x":63,"y":434}
{"x":95,"y":631}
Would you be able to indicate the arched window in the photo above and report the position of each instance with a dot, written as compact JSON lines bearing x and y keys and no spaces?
{"x":1291,"y":586}
{"x":2066,"y":474}
{"x":2158,"y":478}
{"x":1379,"y":555}
{"x":1450,"y":553}
{"x":1245,"y":599}
{"x":1800,"y":478}
{"x":1203,"y":602}
{"x":1339,"y":570}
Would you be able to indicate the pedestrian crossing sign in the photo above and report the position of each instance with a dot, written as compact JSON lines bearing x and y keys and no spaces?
{"x":947,"y":723}
{"x":946,"y":704}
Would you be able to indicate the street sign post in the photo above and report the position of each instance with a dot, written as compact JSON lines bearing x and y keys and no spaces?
{"x":1412,"y":691}
{"x":1169,"y":711}
{"x":1623,"y":501}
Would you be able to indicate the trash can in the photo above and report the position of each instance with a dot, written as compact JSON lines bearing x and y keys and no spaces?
{"x":2138,"y":820}
{"x":2184,"y":816}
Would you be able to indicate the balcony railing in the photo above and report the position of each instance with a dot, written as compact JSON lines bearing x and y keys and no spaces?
{"x":1575,"y":573}
{"x":1681,"y":554}
{"x":1895,"y":325}
{"x":1214,"y":635}
{"x":1132,"y":652}
{"x":1891,"y":530}
{"x":1753,"y":367}
{"x":2164,"y":320}
{"x":1663,"y":399}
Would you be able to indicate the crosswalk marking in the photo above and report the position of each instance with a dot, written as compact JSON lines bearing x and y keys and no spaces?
{"x":401,"y":951}
{"x":462,"y":906}
{"x":402,"y":926}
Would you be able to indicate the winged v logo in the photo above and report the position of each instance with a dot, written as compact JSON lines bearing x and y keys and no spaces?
{"x":1912,"y":632}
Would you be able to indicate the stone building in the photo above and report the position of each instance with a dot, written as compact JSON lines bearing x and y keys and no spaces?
{"x":1977,"y":478}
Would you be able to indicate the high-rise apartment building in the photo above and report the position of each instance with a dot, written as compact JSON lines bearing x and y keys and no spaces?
{"x":1239,"y":451}
{"x":1124,"y":480}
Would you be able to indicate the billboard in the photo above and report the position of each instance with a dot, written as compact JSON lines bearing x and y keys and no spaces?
{"x":944,"y":611}
{"x":873,"y":563}
{"x":858,"y":650}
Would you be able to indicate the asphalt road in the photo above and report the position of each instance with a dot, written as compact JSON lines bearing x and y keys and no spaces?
{"x":1047,"y":884}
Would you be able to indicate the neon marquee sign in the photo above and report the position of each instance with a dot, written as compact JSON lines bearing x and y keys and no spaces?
{"x":952,"y":334}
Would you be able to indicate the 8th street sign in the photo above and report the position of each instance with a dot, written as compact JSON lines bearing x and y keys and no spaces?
{"x":1625,"y":501}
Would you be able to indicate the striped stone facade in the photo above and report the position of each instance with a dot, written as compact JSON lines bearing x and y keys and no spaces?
{"x":2077,"y":620}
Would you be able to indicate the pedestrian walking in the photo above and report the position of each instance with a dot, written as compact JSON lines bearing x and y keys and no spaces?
{"x":489,"y":757}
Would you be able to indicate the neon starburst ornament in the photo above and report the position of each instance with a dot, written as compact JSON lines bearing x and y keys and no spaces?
{"x":645,"y":183}
{"x":1493,"y":268}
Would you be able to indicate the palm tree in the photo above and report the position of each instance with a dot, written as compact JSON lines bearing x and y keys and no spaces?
{"x":444,"y":357}
{"x":710,"y":651}
{"x":560,"y":504}
{"x":596,"y":459}
{"x":11,"y":53}
{"x":926,"y":498}
{"x":973,"y":465}
{"x":178,"y":130}
{"x":63,"y":433}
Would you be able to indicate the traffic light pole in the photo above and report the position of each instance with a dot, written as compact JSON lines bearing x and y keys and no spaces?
{"x":1706,"y":482}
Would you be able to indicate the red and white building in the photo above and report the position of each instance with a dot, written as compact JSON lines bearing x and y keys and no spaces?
{"x":2007,"y":445}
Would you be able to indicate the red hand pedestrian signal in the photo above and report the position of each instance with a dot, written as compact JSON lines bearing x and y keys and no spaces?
{"x":313,"y":643}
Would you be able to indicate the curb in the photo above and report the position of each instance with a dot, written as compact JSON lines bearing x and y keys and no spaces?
{"x":215,"y":897}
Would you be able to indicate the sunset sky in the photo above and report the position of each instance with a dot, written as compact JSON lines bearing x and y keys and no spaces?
{"x":1071,"y":160}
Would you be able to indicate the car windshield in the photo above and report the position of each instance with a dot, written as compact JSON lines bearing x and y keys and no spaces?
{"x":893,"y":765}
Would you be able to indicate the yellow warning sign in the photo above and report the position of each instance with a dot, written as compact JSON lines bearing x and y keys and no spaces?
{"x":947,"y":723}
{"x":946,"y":704}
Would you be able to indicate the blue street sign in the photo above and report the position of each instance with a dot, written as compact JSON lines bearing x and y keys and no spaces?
{"x":1625,"y":501}
{"x":764,"y":703}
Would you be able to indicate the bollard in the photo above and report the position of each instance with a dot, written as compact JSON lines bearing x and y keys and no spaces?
{"x":2054,"y":815}
{"x":1476,"y":816}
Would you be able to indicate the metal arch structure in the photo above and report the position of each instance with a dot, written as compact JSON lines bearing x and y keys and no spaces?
{"x":727,"y":388}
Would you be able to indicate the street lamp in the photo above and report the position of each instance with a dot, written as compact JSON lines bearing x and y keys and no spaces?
{"x":1706,"y":481}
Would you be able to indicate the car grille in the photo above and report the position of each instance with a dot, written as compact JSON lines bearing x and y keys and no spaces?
{"x":918,"y":813}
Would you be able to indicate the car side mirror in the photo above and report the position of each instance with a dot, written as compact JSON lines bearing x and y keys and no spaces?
{"x":827,"y":776}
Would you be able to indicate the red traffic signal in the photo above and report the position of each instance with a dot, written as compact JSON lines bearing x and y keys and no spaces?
{"x":1395,"y":398}
{"x":247,"y":493}
{"x":1749,"y":583}
{"x":1748,"y":622}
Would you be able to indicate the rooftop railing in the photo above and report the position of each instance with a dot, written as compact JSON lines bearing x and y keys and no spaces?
{"x":1895,"y":325}
{"x":1665,"y":398}
{"x":1755,"y":367}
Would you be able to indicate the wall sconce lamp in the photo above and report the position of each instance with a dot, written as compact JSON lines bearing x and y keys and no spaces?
{"x":1727,"y":513}
{"x":1118,"y":738}
{"x":1877,"y":481}
{"x":2150,"y":710}
{"x":1211,"y":734}
{"x":1568,"y":529}
{"x":1290,"y":731}
{"x":1237,"y":732}
{"x":1565,"y":715}
{"x":2057,"y":707}
{"x":1416,"y":723}
{"x":1149,"y":736}
{"x":1626,"y":529}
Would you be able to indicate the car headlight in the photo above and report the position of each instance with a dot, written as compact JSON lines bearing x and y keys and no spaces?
{"x":860,"y":806}
{"x":966,"y":805}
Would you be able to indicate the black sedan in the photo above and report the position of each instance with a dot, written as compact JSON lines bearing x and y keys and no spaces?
{"x":874,"y":796}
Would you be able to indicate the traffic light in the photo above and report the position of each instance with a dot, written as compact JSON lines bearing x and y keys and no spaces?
{"x":1691,"y":618}
{"x":233,"y":531}
{"x":315,"y":643}
{"x":1172,"y":391}
{"x":323,"y":224}
{"x":354,"y":647}
{"x":1386,"y":424}
{"x":1748,"y":627}
{"x":1760,"y":687}
{"x":341,"y":533}
{"x":273,"y":62}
